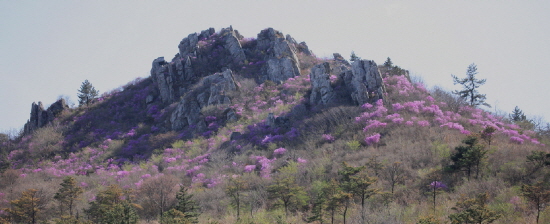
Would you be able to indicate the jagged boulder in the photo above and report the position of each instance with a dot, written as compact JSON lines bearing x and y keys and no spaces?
{"x":189,"y":44}
{"x":40,"y":117}
{"x":162,"y":79}
{"x":282,"y":62}
{"x":303,"y":48}
{"x":232,"y":44}
{"x":321,"y":89}
{"x":365,"y":81}
{"x":211,"y":90}
{"x":169,"y":78}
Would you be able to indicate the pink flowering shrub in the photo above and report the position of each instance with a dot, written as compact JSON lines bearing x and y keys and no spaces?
{"x":373,"y":139}
{"x":328,"y":138}
{"x":517,"y":140}
{"x":279,"y":151}
{"x":374,"y":124}
{"x":423,"y":123}
{"x":249,"y":168}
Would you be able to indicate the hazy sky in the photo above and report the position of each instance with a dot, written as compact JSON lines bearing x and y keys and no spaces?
{"x":48,"y":48}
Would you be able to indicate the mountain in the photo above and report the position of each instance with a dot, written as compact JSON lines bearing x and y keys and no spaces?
{"x":262,"y":129}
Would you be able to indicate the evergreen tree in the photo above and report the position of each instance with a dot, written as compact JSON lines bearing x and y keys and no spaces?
{"x":187,"y":205}
{"x":27,"y":208}
{"x":113,"y":205}
{"x":347,"y":182}
{"x":285,"y":191}
{"x":320,"y":194}
{"x":471,"y":85}
{"x":473,"y":210}
{"x":174,"y":216}
{"x":388,"y":63}
{"x":468,"y":157}
{"x":87,"y":93}
{"x":537,"y":161}
{"x":68,"y":194}
{"x":538,"y":196}
{"x":517,"y":115}
{"x":357,"y":183}
{"x":234,"y":189}
{"x":353,"y":57}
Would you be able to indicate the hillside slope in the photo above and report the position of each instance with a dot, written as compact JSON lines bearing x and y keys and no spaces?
{"x":261,"y":131}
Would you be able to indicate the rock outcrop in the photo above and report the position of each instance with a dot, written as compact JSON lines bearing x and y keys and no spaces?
{"x":365,"y":81}
{"x":211,"y":90}
{"x":40,"y":117}
{"x":321,"y":89}
{"x":362,"y":81}
{"x":282,"y":61}
{"x":231,"y":43}
{"x":272,"y":55}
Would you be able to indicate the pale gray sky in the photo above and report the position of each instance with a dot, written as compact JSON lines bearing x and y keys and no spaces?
{"x":47,"y":48}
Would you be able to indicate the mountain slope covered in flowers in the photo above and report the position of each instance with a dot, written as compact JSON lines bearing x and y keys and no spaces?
{"x":280,"y":152}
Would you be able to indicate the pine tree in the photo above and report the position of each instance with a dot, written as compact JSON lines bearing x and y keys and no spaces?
{"x":537,"y":161}
{"x":473,"y":210}
{"x":113,"y":206}
{"x":538,"y":196}
{"x":347,"y":182}
{"x":187,"y":205}
{"x":27,"y":208}
{"x":285,"y":191}
{"x":517,"y":115}
{"x":469,"y":157}
{"x":87,"y":93}
{"x":388,"y":63}
{"x":174,"y":216}
{"x":320,"y":194}
{"x":234,"y":189}
{"x":471,"y":85}
{"x":68,"y":194}
{"x":353,"y":57}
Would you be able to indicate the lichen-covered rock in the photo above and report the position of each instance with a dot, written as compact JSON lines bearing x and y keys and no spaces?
{"x":211,"y":90}
{"x":365,"y":81}
{"x":321,"y":89}
{"x":40,"y":117}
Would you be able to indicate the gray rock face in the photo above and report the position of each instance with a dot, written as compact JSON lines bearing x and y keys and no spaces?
{"x":169,"y":78}
{"x":233,"y":45}
{"x":162,"y":79}
{"x":189,"y":44}
{"x":172,"y":79}
{"x":365,"y":81}
{"x":40,"y":117}
{"x":282,"y":62}
{"x":321,"y":89}
{"x":211,"y":90}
